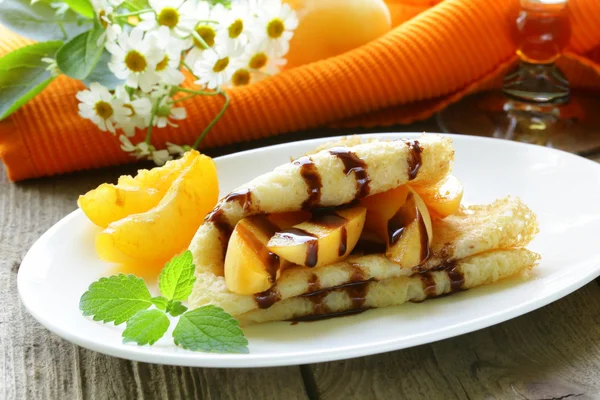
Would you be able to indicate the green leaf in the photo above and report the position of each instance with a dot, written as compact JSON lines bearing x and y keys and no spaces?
{"x":23,"y":75}
{"x":39,"y":21}
{"x":102,"y":74}
{"x":160,"y":302}
{"x":82,"y":7}
{"x":78,"y":57}
{"x":146,"y":327}
{"x":116,"y":298}
{"x":175,"y":308}
{"x":136,"y":5}
{"x":210,"y":329}
{"x":177,"y":277}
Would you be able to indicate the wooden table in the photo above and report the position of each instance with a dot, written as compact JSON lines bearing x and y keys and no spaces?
{"x":551,"y":353}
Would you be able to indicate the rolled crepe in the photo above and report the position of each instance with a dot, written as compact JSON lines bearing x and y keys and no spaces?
{"x":489,"y":237}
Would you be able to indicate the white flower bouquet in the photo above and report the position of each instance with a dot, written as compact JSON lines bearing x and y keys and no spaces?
{"x":134,"y":55}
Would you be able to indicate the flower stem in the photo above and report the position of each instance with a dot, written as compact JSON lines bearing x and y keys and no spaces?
{"x":135,"y":13}
{"x":151,"y":124}
{"x":193,"y":95}
{"x":199,"y":39}
{"x":189,"y":69}
{"x":63,"y":30}
{"x":200,"y":92}
{"x":214,"y":121}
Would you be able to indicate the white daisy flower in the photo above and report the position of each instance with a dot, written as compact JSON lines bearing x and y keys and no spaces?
{"x":173,"y":148}
{"x":126,"y":144}
{"x":205,"y":30}
{"x":139,"y":108}
{"x":275,"y":25}
{"x":52,"y":66}
{"x":168,"y":68}
{"x":142,"y":150}
{"x":165,"y":112}
{"x":134,"y":58}
{"x":104,"y":11}
{"x":110,"y":34}
{"x":160,"y":157}
{"x":234,"y":25}
{"x":257,"y":59}
{"x":214,"y":69}
{"x":178,"y":16}
{"x":99,"y":106}
{"x":241,"y":76}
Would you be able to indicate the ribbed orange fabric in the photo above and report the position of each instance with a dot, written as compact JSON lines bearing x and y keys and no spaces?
{"x":452,"y":49}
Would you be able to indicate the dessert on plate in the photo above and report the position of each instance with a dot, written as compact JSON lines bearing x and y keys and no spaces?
{"x":352,"y":226}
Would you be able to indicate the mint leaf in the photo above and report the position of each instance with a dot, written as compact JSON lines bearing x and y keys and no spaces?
{"x":137,"y":5}
{"x":102,"y":74}
{"x":175,"y":308}
{"x":39,"y":21}
{"x":177,"y":277}
{"x":146,"y":327}
{"x":116,"y":298}
{"x":81,"y":7}
{"x":23,"y":75}
{"x":78,"y":57}
{"x":210,"y":329}
{"x":160,"y":302}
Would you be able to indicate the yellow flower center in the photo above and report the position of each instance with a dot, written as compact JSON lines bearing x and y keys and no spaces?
{"x":101,"y":20}
{"x":168,"y":16}
{"x":275,"y":28}
{"x":258,"y":61}
{"x":129,"y":107}
{"x":221,"y":64}
{"x":207,"y":34}
{"x":103,"y":109}
{"x":240,"y":77}
{"x":135,"y":61}
{"x":163,"y":64}
{"x":236,"y":28}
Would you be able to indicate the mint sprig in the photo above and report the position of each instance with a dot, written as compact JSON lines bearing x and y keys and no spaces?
{"x":146,"y":327}
{"x":177,"y":277}
{"x":115,"y":299}
{"x":126,"y":298}
{"x":210,"y":329}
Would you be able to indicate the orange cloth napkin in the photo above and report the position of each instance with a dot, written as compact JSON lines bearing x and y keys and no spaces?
{"x":453,"y":48}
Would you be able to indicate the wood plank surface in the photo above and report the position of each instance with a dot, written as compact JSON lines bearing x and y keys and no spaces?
{"x":551,"y":353}
{"x":36,"y":364}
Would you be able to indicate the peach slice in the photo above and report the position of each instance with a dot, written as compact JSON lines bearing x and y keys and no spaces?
{"x":132,"y":195}
{"x":324,"y":239}
{"x":250,"y":267}
{"x":381,"y":208}
{"x":444,"y":198}
{"x":156,"y":235}
{"x":410,"y":232}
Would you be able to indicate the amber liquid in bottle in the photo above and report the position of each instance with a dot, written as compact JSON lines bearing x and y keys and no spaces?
{"x":541,"y":31}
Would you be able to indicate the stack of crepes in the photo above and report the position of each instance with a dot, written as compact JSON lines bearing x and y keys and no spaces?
{"x":447,"y":51}
{"x":419,"y":255}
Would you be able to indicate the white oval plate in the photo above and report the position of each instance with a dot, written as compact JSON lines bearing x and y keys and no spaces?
{"x":563,"y":189}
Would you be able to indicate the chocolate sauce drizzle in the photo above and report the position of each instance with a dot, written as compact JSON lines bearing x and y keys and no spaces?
{"x":403,"y":217}
{"x":268,"y":229}
{"x":244,"y":198}
{"x":310,"y":174}
{"x":356,"y":289}
{"x":267,"y":298}
{"x":353,"y":163}
{"x":456,"y":277}
{"x":300,"y":236}
{"x":414,"y":159}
